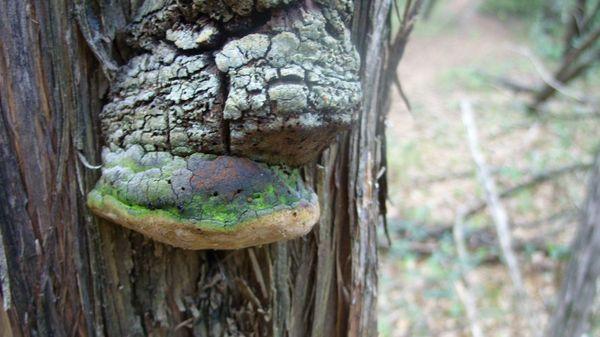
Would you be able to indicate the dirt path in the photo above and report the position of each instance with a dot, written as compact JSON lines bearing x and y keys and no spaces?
{"x":461,"y":36}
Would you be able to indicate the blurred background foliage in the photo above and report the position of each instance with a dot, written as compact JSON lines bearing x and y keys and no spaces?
{"x":497,"y":54}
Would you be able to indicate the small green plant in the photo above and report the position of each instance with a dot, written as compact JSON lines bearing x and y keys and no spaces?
{"x":558,"y":252}
{"x":468,"y":77}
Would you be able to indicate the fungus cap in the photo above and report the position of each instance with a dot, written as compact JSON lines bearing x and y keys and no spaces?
{"x":203,"y":201}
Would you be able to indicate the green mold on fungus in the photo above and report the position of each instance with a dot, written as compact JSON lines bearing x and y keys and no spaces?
{"x":203,"y":201}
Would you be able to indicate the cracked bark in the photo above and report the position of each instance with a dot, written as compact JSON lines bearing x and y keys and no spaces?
{"x":68,"y":273}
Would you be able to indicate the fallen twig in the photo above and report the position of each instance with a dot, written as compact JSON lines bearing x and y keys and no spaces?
{"x":463,"y":287}
{"x":492,"y":197}
{"x":456,"y":175}
{"x":485,"y":237}
{"x":437,"y":230}
{"x":536,"y":179}
{"x":498,"y":213}
{"x":549,"y":79}
{"x":510,"y":84}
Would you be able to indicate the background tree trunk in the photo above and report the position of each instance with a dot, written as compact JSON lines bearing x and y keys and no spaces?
{"x":64,"y":272}
{"x":571,"y":318}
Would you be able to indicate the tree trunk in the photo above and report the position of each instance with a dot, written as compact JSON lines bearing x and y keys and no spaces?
{"x":64,"y":272}
{"x":571,"y":318}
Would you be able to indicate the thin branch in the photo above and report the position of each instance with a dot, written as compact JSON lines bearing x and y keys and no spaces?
{"x":425,"y":243}
{"x":591,"y":19}
{"x":479,"y":205}
{"x":86,"y":163}
{"x":498,"y":213}
{"x":575,"y":24}
{"x":464,"y":286}
{"x":573,"y":116}
{"x":458,"y":175}
{"x":402,"y":94}
{"x":411,"y":11}
{"x":468,"y":301}
{"x":484,"y":238}
{"x":549,"y":79}
{"x":510,"y":84}
{"x":536,"y":179}
{"x":570,"y":68}
{"x":539,"y":178}
{"x":589,"y":41}
{"x":398,"y":44}
{"x":571,"y":73}
{"x":579,"y":287}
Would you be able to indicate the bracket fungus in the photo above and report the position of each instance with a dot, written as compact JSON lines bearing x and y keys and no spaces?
{"x":203,"y":201}
{"x":203,"y":134}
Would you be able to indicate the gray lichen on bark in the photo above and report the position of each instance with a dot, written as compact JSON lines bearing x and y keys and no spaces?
{"x":290,"y":91}
{"x":166,"y":101}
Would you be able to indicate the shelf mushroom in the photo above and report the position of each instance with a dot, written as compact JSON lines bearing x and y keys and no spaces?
{"x":203,"y":136}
